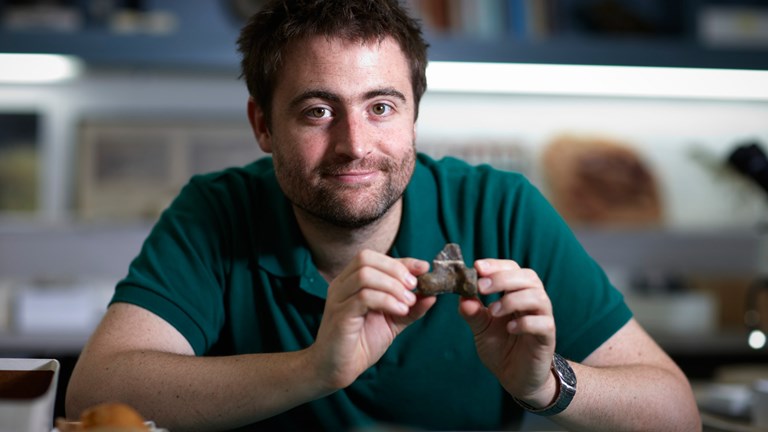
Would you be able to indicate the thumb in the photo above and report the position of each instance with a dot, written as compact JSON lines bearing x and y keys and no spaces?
{"x":475,"y":314}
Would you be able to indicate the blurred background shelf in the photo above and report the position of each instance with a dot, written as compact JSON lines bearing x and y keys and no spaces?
{"x":172,"y":34}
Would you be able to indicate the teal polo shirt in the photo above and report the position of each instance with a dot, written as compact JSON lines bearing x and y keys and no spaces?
{"x":226,"y":265}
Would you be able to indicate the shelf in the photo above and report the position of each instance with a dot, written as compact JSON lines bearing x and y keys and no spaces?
{"x":218,"y":51}
{"x":101,"y":49}
{"x":42,"y":343}
{"x":205,"y":38}
{"x":597,"y":51}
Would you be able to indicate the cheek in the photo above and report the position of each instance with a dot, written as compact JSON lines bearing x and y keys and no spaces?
{"x":299,"y":150}
{"x":398,"y":134}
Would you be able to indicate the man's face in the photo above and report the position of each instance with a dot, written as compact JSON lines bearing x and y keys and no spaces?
{"x":343,"y":129}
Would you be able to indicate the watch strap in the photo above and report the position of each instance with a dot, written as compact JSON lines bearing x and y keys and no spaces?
{"x":566,"y":389}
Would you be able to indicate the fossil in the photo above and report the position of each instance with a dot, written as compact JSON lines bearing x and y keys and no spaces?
{"x":449,"y":275}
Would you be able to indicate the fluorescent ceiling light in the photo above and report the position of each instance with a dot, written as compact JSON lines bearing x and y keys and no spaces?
{"x":38,"y":68}
{"x":655,"y":82}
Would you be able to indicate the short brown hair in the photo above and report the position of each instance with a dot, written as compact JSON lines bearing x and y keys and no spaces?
{"x":265,"y":36}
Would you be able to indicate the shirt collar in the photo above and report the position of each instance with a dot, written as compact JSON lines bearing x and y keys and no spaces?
{"x":282,"y":250}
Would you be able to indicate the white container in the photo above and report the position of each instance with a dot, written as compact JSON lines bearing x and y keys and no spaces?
{"x":27,"y":394}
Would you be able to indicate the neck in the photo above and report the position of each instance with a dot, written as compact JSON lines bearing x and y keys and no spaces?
{"x":333,"y":247}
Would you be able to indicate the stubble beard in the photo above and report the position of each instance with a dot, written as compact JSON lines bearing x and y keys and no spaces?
{"x":340,"y":205}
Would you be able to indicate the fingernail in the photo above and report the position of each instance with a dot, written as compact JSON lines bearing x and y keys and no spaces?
{"x":512,"y":326}
{"x":410,"y":296}
{"x":495,"y":309}
{"x":481,"y":264}
{"x":484,"y":283}
{"x":411,"y":280}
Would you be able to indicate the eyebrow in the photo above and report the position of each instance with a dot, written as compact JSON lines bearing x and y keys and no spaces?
{"x":314,"y":94}
{"x":333,"y":97}
{"x":388,"y":91}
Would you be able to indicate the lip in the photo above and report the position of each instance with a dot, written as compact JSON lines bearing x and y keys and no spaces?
{"x":355,"y":176}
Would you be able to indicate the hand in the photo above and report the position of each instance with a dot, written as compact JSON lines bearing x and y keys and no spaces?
{"x":367,"y":306}
{"x":514,"y":336}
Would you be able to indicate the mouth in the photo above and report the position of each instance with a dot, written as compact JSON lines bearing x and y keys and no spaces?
{"x":353,"y":174}
{"x":354,"y":177}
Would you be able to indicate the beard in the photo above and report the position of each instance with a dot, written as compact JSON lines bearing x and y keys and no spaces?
{"x":344,"y":205}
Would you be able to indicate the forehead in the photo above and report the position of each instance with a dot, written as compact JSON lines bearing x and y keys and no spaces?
{"x":343,"y":65}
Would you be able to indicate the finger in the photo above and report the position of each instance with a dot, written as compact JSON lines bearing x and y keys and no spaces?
{"x":475,"y":314}
{"x":399,"y":269}
{"x":488,"y":266}
{"x":420,"y":308}
{"x":415,"y":266}
{"x":540,"y":326}
{"x":509,"y":280}
{"x":377,"y":271}
{"x":380,"y":301}
{"x":373,"y":278}
{"x":527,"y":301}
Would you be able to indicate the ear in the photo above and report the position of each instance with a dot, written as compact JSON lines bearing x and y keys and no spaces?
{"x":259,"y":126}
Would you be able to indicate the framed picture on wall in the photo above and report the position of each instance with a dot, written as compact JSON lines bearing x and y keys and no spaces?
{"x":133,"y":169}
{"x":19,"y":163}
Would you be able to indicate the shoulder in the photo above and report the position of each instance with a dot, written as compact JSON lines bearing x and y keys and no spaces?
{"x":230,"y":184}
{"x":226,"y":198}
{"x":258,"y":171}
{"x":468,"y":183}
{"x":452,"y":170}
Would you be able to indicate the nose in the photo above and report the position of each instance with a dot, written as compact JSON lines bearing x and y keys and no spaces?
{"x":353,"y":137}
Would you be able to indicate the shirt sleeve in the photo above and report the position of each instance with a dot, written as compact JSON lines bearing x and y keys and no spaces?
{"x":587,"y":308}
{"x":179,"y":273}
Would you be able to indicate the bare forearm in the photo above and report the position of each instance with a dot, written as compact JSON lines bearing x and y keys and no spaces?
{"x":187,"y":393}
{"x":630,"y":398}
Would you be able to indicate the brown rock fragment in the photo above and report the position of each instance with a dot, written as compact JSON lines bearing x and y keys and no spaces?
{"x":449,"y":275}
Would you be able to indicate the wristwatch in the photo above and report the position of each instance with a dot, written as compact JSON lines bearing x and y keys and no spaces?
{"x":566,"y":389}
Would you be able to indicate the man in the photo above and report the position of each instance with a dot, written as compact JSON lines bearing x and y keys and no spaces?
{"x":280,"y":295}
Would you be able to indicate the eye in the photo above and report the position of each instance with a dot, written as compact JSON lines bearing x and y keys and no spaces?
{"x":318,"y":112}
{"x":381,"y":109}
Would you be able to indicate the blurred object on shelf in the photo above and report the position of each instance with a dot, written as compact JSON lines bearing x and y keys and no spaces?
{"x":689,"y":313}
{"x":722,"y":173}
{"x":665,"y":302}
{"x":600,"y":181}
{"x":59,"y":307}
{"x":730,"y":293}
{"x":462,"y":17}
{"x":62,"y":16}
{"x":753,"y":319}
{"x":657,"y":282}
{"x":735,"y":26}
{"x":622,"y":17}
{"x":71,"y":16}
{"x":728,"y":400}
{"x":750,"y":160}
